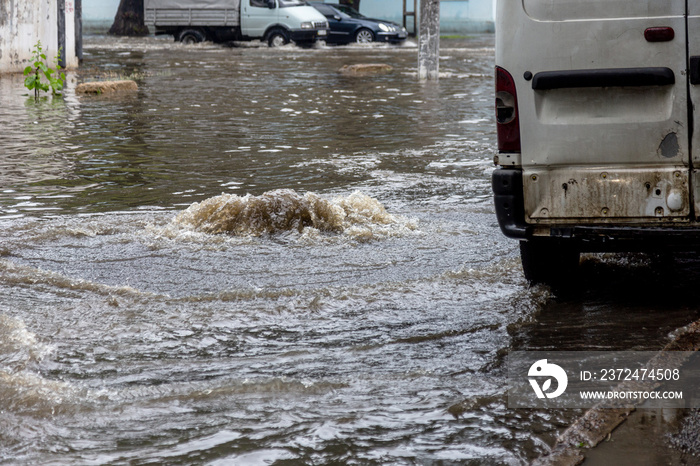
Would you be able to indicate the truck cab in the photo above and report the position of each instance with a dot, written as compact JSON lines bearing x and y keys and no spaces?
{"x":598,"y":144}
{"x":282,"y":21}
{"x":276,"y":22}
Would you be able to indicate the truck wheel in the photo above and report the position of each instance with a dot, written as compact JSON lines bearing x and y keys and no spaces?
{"x":364,"y":36}
{"x":549,"y":262}
{"x":191,"y":36}
{"x":277,"y":38}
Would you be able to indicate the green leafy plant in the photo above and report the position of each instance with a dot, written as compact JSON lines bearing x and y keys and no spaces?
{"x":39,"y":68}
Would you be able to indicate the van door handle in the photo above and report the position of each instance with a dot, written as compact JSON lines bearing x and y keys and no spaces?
{"x":694,"y":69}
{"x":608,"y":77}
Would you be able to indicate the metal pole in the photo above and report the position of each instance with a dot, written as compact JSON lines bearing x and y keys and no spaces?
{"x":79,"y":30}
{"x":61,"y":5}
{"x":429,"y":40}
{"x":413,"y":31}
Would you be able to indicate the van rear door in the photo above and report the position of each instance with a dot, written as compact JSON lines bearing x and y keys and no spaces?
{"x":602,"y":101}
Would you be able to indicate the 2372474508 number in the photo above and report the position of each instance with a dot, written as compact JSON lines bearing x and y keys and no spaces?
{"x":613,"y":375}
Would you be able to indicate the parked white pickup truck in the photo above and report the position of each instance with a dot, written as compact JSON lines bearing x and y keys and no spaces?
{"x":598,"y":137}
{"x":275,"y":21}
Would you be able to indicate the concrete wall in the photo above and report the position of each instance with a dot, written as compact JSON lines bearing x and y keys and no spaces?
{"x":24,"y":22}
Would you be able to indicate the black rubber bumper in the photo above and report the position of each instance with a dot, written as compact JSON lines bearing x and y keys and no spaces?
{"x":304,"y":35}
{"x":391,"y":37}
{"x":507,"y":184}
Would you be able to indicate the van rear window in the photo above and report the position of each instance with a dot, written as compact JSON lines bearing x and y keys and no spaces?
{"x":567,"y":10}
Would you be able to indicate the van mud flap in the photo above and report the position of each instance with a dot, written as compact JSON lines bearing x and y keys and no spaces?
{"x":507,"y":184}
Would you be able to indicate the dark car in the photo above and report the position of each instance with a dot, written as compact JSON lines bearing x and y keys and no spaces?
{"x":348,"y":25}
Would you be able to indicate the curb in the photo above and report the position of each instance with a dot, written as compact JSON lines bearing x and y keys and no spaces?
{"x":105,"y":87}
{"x":599,"y":422}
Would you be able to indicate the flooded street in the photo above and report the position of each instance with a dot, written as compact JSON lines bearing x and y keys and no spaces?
{"x":259,"y":260}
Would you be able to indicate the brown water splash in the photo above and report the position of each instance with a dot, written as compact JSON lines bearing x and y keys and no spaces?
{"x":285,"y":210}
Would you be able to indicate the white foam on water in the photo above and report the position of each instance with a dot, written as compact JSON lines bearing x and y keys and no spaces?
{"x":14,"y":274}
{"x":19,"y":346}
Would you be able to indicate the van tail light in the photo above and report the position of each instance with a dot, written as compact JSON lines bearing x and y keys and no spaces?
{"x":507,"y":120}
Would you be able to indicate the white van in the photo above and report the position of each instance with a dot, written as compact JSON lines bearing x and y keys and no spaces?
{"x":275,"y":21}
{"x":598,"y":138}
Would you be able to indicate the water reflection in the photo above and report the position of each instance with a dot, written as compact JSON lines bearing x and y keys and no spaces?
{"x":620,"y":302}
{"x":31,"y":140}
{"x":241,"y":120}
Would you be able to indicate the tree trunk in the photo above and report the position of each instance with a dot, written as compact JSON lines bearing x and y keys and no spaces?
{"x":129,"y":19}
{"x":351,"y":3}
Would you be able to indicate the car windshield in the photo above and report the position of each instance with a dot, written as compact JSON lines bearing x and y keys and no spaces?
{"x":351,"y":12}
{"x":325,"y":10}
{"x":288,"y":3}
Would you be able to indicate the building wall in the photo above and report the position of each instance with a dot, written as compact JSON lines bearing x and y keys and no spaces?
{"x":100,"y":10}
{"x":456,"y":16}
{"x":98,"y":15}
{"x":25,"y":22}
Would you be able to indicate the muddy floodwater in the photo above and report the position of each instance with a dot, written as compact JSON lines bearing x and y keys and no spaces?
{"x":256,"y":259}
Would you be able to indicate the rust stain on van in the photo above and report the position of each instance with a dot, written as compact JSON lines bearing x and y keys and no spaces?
{"x":565,"y":186}
{"x":589,"y":195}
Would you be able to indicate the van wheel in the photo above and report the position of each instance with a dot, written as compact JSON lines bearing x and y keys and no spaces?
{"x":277,"y":38}
{"x":549,"y":262}
{"x":364,"y":36}
{"x":191,"y":36}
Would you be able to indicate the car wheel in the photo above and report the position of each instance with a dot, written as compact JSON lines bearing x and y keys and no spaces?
{"x":549,"y":262}
{"x":277,"y":38}
{"x":364,"y":36}
{"x":191,"y":36}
